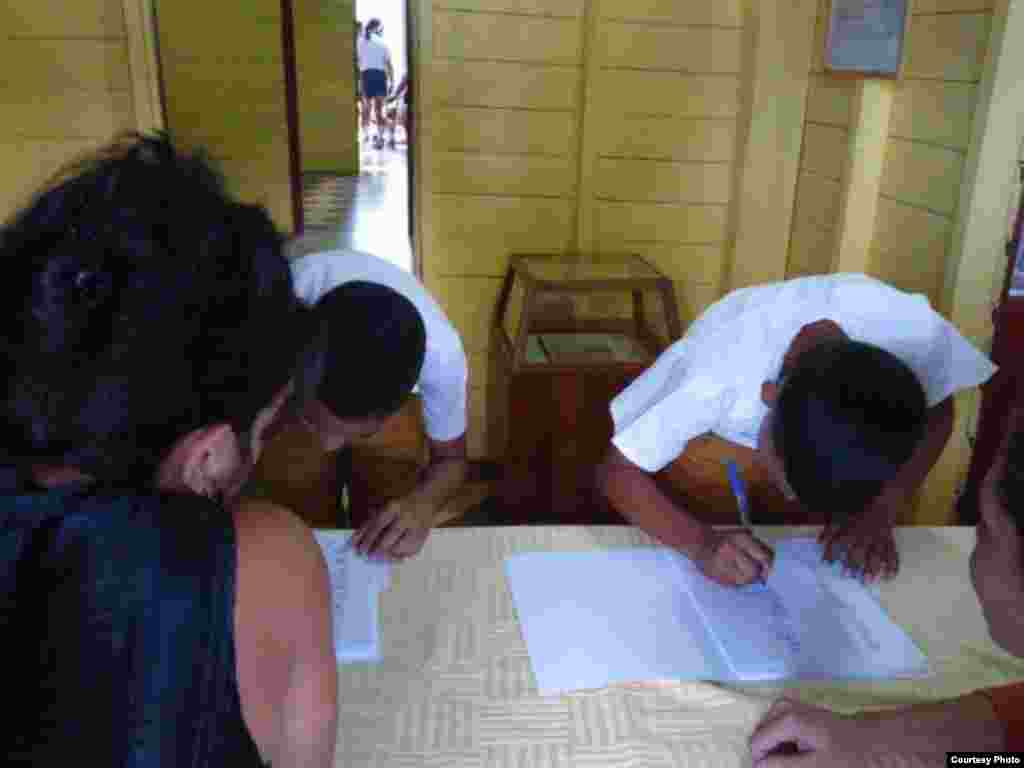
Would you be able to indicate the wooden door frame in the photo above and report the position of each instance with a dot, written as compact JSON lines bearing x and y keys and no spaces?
{"x":291,"y":98}
{"x":148,"y":99}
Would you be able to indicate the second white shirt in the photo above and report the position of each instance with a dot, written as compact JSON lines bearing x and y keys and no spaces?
{"x":445,"y":373}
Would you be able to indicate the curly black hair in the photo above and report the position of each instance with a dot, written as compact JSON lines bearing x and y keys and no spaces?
{"x":141,"y":302}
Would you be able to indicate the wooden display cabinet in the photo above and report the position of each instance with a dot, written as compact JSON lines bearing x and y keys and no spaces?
{"x":569,"y":332}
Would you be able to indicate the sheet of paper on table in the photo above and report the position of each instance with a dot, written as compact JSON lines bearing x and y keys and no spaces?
{"x":356,"y":584}
{"x":594,"y":618}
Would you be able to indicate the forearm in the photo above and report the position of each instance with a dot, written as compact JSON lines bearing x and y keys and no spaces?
{"x":443,"y":477}
{"x":440,"y":480}
{"x":636,"y":496}
{"x":967,"y":723}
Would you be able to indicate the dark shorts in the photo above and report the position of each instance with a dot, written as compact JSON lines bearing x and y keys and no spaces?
{"x":375,"y":83}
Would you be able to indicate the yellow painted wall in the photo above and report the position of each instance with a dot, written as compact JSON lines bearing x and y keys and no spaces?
{"x":929,"y":131}
{"x":67,"y":88}
{"x":501,"y":94}
{"x":324,"y":51}
{"x":223,"y":78}
{"x":565,"y":124}
{"x":663,"y":83}
{"x":818,"y":193}
{"x":618,"y":125}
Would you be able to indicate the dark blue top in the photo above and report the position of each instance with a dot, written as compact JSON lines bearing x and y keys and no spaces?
{"x":117,"y":621}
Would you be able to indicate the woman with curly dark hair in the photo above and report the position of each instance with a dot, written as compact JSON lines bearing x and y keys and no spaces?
{"x":149,"y":338}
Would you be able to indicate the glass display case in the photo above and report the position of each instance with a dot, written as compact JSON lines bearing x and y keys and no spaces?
{"x":570,"y":331}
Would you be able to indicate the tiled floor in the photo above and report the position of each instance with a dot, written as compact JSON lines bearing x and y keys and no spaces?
{"x":368,"y":212}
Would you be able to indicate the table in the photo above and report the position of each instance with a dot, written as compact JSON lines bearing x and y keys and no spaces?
{"x":456,"y":687}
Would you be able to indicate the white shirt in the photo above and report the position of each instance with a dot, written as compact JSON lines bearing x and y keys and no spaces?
{"x":443,"y":380}
{"x":710,"y":380}
{"x":372,"y":54}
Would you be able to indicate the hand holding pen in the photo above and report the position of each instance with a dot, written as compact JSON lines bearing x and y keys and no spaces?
{"x":735,"y":558}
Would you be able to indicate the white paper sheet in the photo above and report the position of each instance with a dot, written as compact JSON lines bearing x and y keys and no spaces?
{"x":808,"y":621}
{"x":591,"y":618}
{"x":356,"y":584}
{"x":594,"y":618}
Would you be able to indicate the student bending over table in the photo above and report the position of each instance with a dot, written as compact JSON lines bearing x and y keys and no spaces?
{"x":987,"y":720}
{"x":381,"y":336}
{"x":149,"y":331}
{"x":841,"y":383}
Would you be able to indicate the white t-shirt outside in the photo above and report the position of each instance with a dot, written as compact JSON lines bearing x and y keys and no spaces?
{"x":443,"y":380}
{"x":372,"y":54}
{"x":710,"y":380}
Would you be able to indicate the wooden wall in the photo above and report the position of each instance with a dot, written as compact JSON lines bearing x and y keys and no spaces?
{"x":499,"y":168}
{"x":567,"y":124}
{"x":619,"y":125}
{"x":67,"y":88}
{"x":663,"y":84}
{"x":223,"y":75}
{"x":929,"y":132}
{"x":324,"y":44}
{"x":826,"y":133}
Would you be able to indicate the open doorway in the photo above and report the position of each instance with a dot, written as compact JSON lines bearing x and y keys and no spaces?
{"x":354,"y":126}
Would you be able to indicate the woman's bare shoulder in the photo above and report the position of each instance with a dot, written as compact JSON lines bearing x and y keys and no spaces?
{"x":282,"y":624}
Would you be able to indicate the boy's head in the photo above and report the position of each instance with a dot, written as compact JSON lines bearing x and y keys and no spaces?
{"x":997,"y":562}
{"x":845,"y":417}
{"x":141,"y":304}
{"x":365,"y":362}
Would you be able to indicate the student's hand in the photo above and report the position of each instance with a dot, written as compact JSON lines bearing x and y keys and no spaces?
{"x":866,"y":545}
{"x":795,"y":735}
{"x":869,"y":556}
{"x":734,"y":558}
{"x":395,"y":531}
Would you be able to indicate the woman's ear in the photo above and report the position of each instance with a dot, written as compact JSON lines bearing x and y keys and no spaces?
{"x":204,"y":462}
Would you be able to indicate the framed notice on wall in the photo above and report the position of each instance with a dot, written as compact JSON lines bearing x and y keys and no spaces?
{"x":865,"y":37}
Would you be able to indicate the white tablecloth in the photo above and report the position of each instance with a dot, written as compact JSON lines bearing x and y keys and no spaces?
{"x":456,"y":688}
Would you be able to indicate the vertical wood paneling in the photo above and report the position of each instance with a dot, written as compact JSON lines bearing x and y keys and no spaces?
{"x":929,"y":127}
{"x":205,"y":69}
{"x":68,"y":88}
{"x":326,"y":84}
{"x":502,"y":166}
{"x":780,"y":60}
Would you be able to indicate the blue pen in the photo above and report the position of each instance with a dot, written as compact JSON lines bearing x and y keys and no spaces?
{"x":739,"y":490}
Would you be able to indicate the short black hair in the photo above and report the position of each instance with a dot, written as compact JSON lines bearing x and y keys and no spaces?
{"x":1011,"y":484}
{"x":140,"y":303}
{"x":848,"y":416}
{"x":373,"y":343}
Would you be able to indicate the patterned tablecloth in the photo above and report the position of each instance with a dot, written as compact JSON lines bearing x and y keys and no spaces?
{"x":456,"y":688}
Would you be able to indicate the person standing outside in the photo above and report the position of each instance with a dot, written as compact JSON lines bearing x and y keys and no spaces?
{"x":375,"y":74}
